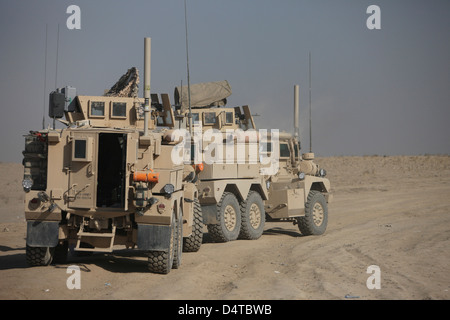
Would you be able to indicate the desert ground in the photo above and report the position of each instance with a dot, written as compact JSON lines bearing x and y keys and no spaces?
{"x":389,"y":211}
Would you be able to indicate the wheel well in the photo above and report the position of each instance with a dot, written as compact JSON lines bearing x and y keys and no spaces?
{"x":234,"y":190}
{"x":319,"y":186}
{"x":258,"y":188}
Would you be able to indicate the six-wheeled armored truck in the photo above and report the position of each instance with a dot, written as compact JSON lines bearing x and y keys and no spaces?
{"x":249,"y":175}
{"x":107,"y":179}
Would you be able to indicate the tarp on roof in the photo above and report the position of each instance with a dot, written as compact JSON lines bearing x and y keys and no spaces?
{"x":205,"y":94}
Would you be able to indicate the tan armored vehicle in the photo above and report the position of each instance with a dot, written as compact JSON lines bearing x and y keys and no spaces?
{"x":254,"y":174}
{"x":108,"y":179}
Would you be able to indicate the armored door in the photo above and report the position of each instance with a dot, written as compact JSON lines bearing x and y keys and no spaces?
{"x":82,"y":171}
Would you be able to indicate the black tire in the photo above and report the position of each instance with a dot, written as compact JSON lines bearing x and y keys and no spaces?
{"x":39,"y":256}
{"x":162,"y":261}
{"x":61,"y":252}
{"x":229,"y":217}
{"x":316,"y":215}
{"x":194,"y":241}
{"x":178,"y":243}
{"x":252,"y":217}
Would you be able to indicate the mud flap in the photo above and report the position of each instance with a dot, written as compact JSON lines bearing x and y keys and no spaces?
{"x":209,"y":213}
{"x":153,"y":237}
{"x":42,"y":233}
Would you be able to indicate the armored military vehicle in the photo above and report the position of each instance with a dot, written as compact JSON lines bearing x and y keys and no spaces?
{"x":254,"y":174}
{"x":108,"y":179}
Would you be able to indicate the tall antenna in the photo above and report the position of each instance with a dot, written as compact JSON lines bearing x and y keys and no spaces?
{"x":310,"y":130}
{"x":56,"y":69}
{"x":57,"y":49}
{"x":45,"y":76}
{"x":187,"y":64}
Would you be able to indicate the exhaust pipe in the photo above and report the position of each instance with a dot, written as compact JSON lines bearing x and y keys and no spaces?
{"x":296,"y":111}
{"x":147,"y":59}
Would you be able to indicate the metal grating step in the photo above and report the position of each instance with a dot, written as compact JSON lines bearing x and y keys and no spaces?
{"x":83,"y":235}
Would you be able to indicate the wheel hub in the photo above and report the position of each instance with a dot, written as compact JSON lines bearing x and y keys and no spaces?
{"x":318,"y":214}
{"x":255,"y":216}
{"x":229,"y":218}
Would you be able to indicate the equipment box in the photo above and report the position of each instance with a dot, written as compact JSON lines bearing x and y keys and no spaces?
{"x":219,"y":171}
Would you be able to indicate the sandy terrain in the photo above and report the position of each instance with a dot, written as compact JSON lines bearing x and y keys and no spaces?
{"x":393,"y":212}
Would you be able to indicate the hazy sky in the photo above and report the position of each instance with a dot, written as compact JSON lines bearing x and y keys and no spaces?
{"x":384,"y":92}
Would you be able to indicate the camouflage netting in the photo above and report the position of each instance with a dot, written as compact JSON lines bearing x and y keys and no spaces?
{"x":127,"y":86}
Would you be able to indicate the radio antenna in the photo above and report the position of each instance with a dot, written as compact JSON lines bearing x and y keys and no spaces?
{"x":56,"y":69}
{"x":310,"y":127}
{"x":187,"y":67}
{"x":57,"y":49}
{"x":45,"y":76}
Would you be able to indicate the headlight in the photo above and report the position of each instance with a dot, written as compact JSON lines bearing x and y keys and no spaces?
{"x":268,"y":184}
{"x":301,"y":175}
{"x":27,"y":183}
{"x":169,"y":189}
{"x":322,"y":172}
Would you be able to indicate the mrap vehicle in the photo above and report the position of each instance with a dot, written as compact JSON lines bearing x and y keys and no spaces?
{"x":238,"y":191}
{"x":108,"y":179}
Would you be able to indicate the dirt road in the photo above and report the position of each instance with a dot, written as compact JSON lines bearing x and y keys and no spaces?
{"x":391,"y":212}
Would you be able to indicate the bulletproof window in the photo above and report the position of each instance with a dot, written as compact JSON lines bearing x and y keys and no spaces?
{"x":296,"y":147}
{"x":168,"y":118}
{"x":192,"y":152}
{"x":119,"y":110}
{"x":229,"y":117}
{"x":97,"y":109}
{"x":209,"y":117}
{"x":82,"y":149}
{"x":284,"y":150}
{"x":195,"y":118}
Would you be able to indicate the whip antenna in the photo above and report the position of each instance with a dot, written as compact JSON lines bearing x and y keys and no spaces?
{"x":45,"y":75}
{"x":310,"y":130}
{"x":187,"y":66}
{"x":57,"y":49}
{"x":56,"y":69}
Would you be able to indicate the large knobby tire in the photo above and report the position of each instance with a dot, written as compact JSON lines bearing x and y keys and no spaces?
{"x":229,"y":217}
{"x":316,"y":215}
{"x":194,"y":241}
{"x":252,"y":217}
{"x":162,"y":261}
{"x":39,"y":256}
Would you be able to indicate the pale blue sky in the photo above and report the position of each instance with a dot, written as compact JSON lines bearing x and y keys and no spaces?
{"x":382,"y":92}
